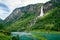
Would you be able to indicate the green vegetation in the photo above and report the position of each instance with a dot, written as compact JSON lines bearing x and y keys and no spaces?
{"x":1,"y":26}
{"x":45,"y":31}
{"x":15,"y":37}
{"x":21,"y":24}
{"x":4,"y":37}
{"x":50,"y":21}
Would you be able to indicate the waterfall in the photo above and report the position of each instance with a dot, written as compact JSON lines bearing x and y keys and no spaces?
{"x":41,"y":14}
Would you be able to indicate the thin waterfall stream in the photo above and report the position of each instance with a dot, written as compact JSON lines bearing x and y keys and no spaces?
{"x":40,"y":15}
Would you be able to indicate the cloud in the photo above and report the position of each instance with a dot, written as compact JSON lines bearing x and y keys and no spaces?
{"x":12,"y":3}
{"x":3,"y":14}
{"x":4,"y":7}
{"x":3,"y":11}
{"x":33,"y":1}
{"x":19,"y":3}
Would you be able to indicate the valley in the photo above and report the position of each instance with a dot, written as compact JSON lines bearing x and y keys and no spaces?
{"x":33,"y":22}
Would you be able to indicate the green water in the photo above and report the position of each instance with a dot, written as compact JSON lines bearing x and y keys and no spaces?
{"x":28,"y":36}
{"x":49,"y":36}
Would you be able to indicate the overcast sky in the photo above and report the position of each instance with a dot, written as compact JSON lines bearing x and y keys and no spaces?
{"x":7,"y":6}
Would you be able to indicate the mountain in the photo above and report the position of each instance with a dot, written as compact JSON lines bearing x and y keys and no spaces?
{"x":22,"y":18}
{"x":19,"y":12}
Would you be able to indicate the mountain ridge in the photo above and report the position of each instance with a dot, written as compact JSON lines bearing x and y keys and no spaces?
{"x":22,"y":24}
{"x":19,"y":12}
{"x":30,"y":8}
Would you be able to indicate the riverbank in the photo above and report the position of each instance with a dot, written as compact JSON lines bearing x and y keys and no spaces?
{"x":46,"y":31}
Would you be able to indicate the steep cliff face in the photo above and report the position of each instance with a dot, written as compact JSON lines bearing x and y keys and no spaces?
{"x":14,"y":16}
{"x":19,"y":12}
{"x":50,"y":5}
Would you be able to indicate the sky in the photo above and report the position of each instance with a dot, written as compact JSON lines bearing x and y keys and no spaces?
{"x":7,"y":6}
